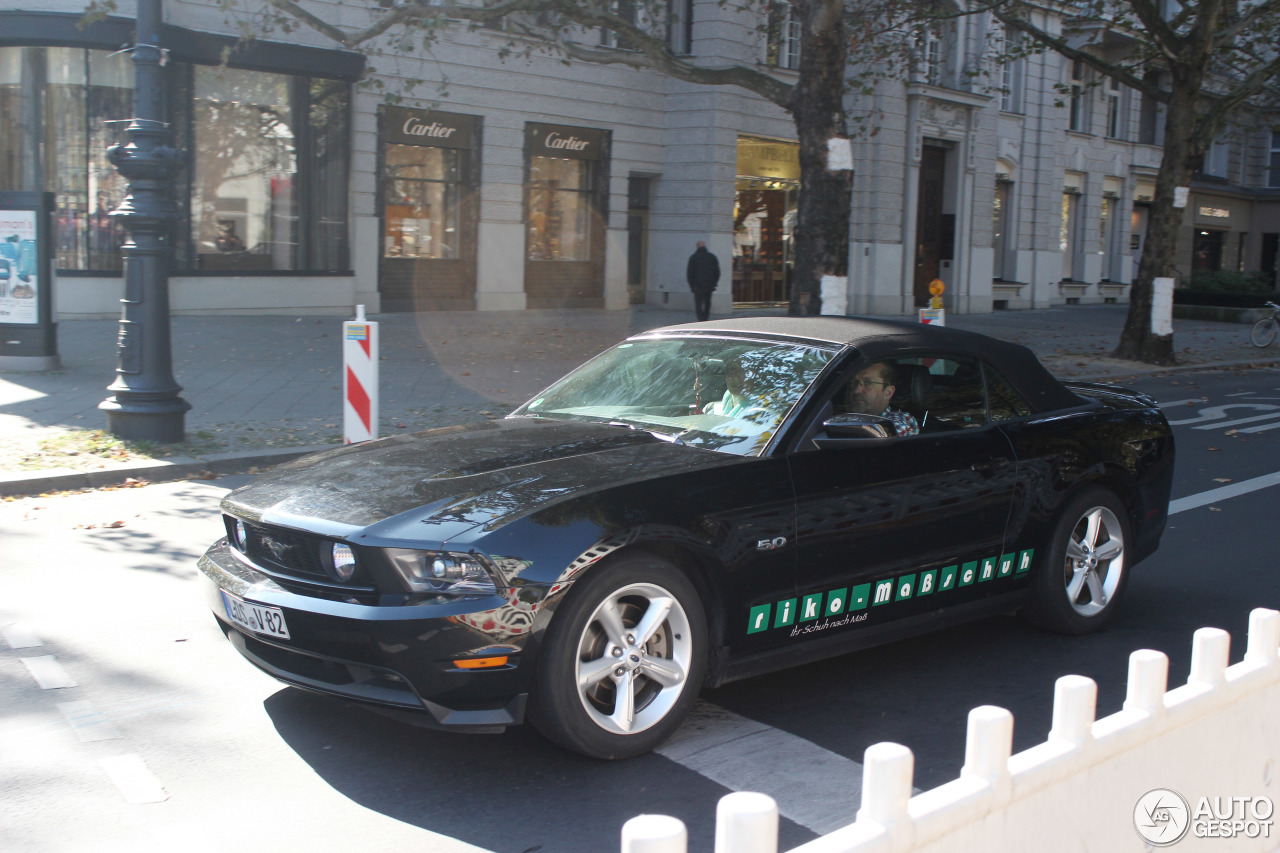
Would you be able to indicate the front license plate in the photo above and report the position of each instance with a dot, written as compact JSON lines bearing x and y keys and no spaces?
{"x":255,"y":617}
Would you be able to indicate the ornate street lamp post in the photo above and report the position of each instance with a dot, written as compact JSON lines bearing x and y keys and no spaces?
{"x":145,"y":402}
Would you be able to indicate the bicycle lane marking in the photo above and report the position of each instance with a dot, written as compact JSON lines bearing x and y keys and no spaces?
{"x":1234,"y":490}
{"x":813,"y":786}
{"x":1216,"y":413}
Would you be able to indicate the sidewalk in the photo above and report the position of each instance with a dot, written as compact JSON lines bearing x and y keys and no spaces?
{"x":264,"y":389}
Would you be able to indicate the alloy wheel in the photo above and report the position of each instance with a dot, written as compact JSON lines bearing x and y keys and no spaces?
{"x":634,"y":658}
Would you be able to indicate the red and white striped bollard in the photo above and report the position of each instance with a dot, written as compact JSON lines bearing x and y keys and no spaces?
{"x":359,"y":379}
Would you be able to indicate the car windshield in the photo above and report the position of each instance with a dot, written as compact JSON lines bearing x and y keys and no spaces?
{"x":726,"y":394}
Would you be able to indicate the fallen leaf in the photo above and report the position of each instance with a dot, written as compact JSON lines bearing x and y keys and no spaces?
{"x":1215,"y":448}
{"x":1214,"y":509}
{"x":1231,"y":432}
{"x":1222,"y":480}
{"x":113,"y":525}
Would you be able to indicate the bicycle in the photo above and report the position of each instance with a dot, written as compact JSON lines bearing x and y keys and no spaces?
{"x":1264,"y":331}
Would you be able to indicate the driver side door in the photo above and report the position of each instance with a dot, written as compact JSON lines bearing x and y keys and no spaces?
{"x":892,"y":527}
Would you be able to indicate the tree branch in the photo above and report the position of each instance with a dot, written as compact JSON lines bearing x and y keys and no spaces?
{"x":1059,"y":45}
{"x":651,"y":52}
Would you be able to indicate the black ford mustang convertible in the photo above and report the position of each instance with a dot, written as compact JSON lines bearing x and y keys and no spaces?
{"x":698,"y":504}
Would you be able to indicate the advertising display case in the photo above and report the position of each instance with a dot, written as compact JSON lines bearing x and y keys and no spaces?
{"x":28,"y":334}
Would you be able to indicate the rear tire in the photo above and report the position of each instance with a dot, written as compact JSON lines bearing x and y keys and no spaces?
{"x":623,"y":659}
{"x":1263,"y":332}
{"x":1078,"y":590}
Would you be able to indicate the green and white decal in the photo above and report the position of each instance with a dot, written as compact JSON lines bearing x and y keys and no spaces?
{"x":848,"y":605}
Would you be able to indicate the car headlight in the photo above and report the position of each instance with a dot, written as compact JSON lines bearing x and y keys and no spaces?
{"x":344,"y":561}
{"x":444,"y":572}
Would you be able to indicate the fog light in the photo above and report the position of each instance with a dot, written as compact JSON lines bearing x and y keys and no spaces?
{"x":242,"y":536}
{"x":344,"y":561}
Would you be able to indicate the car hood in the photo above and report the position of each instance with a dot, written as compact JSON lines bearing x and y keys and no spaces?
{"x":456,"y":478}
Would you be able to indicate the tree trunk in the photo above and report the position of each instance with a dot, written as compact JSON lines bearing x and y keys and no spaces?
{"x":817,"y":106}
{"x":1182,"y":153}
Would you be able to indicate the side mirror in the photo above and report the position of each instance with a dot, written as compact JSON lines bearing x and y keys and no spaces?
{"x":859,"y":426}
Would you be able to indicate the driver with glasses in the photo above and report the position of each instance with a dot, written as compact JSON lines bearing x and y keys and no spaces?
{"x":870,"y":391}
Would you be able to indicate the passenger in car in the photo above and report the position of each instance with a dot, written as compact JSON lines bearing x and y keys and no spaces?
{"x":737,"y":397}
{"x":870,"y":391}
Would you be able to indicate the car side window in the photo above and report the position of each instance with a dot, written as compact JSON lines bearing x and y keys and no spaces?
{"x":944,"y":392}
{"x":1004,"y":401}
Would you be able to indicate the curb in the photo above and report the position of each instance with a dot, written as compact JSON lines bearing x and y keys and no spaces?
{"x":26,"y":483}
{"x":1155,"y":370}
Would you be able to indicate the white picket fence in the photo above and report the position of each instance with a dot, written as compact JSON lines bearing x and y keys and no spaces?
{"x":1217,"y":736}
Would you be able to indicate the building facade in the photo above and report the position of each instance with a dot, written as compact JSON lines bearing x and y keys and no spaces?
{"x":452,"y":180}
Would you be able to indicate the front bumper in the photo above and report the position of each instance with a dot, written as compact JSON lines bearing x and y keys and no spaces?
{"x":398,"y":659}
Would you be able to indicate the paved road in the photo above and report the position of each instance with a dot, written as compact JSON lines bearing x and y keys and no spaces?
{"x":162,"y":709}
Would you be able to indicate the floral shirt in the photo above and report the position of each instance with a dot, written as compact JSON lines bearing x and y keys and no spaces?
{"x":903,"y":422}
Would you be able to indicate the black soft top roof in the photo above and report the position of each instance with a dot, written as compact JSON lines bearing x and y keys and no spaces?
{"x":876,"y":339}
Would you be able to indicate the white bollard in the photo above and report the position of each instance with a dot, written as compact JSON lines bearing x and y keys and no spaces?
{"x":988,"y":743}
{"x":1075,"y":706}
{"x":1210,"y":653}
{"x":1148,"y":680}
{"x":887,"y":771}
{"x":746,"y":822}
{"x":654,"y":833}
{"x":359,"y":379}
{"x":1264,"y":636}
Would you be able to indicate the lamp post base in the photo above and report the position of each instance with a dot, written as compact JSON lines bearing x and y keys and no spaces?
{"x":162,"y":421}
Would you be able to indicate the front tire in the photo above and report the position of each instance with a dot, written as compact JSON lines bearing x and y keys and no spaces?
{"x":1263,"y":332}
{"x":1078,"y":590}
{"x":623,"y":659}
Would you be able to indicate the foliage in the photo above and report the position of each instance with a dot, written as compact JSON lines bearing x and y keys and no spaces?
{"x":1229,"y":281}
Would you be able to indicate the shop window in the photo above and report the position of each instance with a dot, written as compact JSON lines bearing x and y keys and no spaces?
{"x":1067,"y":242}
{"x":268,"y":174}
{"x":764,"y":219}
{"x":1000,"y":226}
{"x":67,"y":99}
{"x":1206,"y":251}
{"x":561,"y":195}
{"x":422,"y":210}
{"x":267,"y":159}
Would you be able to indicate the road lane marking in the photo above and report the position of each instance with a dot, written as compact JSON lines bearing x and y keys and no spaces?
{"x":1173,"y":403}
{"x":813,"y":786}
{"x":20,"y":636}
{"x":134,"y":779}
{"x":88,"y":724}
{"x":1214,"y":495}
{"x":47,"y":672}
{"x":1221,"y":424}
{"x":1262,"y":428}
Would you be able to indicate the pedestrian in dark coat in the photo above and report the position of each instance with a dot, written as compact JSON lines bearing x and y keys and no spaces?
{"x":703,"y":275}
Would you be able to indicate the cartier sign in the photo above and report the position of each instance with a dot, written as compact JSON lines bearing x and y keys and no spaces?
{"x":554,"y":140}
{"x":429,"y":127}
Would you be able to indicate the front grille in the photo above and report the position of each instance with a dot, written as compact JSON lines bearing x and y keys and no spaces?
{"x":288,"y":551}
{"x":295,"y":559}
